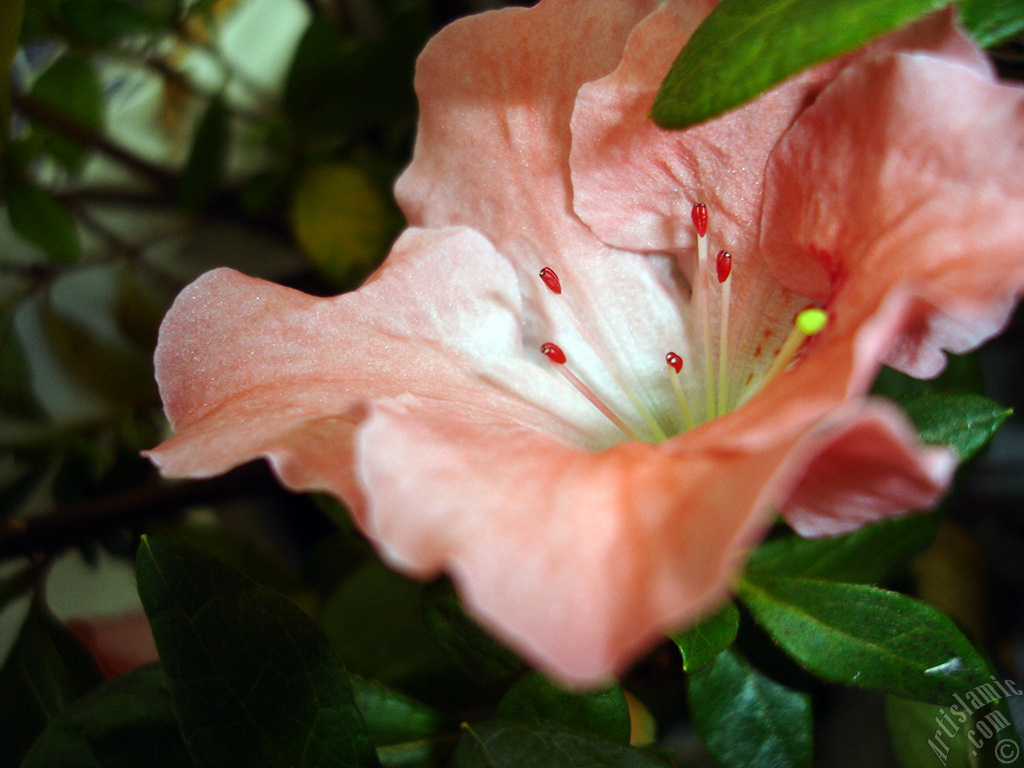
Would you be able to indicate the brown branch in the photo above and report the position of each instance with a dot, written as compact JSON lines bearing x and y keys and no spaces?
{"x":77,"y":523}
{"x":39,"y":112}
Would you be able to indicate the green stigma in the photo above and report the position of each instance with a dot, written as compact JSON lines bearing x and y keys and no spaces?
{"x":811,"y":321}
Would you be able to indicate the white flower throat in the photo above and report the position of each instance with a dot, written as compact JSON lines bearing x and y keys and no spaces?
{"x":717,"y":399}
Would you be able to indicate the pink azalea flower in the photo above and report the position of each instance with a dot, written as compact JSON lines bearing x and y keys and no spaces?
{"x":118,"y":643}
{"x":885,"y":187}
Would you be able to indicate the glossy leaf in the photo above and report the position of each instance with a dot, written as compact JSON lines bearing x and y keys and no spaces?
{"x":375,"y":624}
{"x":867,"y":555}
{"x":254,"y":683}
{"x":747,"y":720}
{"x":46,"y":670}
{"x":392,"y":717}
{"x":16,"y":395}
{"x":963,"y":373}
{"x":861,"y":635}
{"x":745,"y":47}
{"x":534,"y":697}
{"x":70,"y":87}
{"x":523,"y":744}
{"x":341,"y":220}
{"x":992,"y":21}
{"x":703,"y":642}
{"x":37,"y":216}
{"x":126,"y":722}
{"x":204,"y":171}
{"x":963,"y":422}
{"x":467,"y":646}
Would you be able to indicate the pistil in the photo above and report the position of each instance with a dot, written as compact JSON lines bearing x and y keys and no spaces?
{"x":808,"y":323}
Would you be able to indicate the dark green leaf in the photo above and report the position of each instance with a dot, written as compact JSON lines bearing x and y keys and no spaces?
{"x":104,"y":21}
{"x":16,"y":395}
{"x":392,"y":717}
{"x":746,"y":46}
{"x":41,"y":220}
{"x":46,"y":670}
{"x":337,"y":87}
{"x":963,"y":373}
{"x":375,"y":624}
{"x":918,"y":739}
{"x":125,"y":723}
{"x":534,"y":697}
{"x":992,"y":21}
{"x":523,"y":744}
{"x":407,"y":733}
{"x":70,"y":87}
{"x":700,"y":644}
{"x":254,"y":683}
{"x":747,"y":720}
{"x":106,"y":365}
{"x":204,"y":171}
{"x":469,"y":647}
{"x":867,"y":555}
{"x":963,"y":422}
{"x":865,"y":636}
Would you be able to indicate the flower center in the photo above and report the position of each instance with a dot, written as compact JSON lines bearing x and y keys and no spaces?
{"x":716,"y":393}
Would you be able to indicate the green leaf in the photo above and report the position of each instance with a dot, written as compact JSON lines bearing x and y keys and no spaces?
{"x":407,"y":733}
{"x":46,"y":670}
{"x":71,"y":87}
{"x":204,"y":172}
{"x":867,"y":555}
{"x":523,"y":744}
{"x":104,"y":21}
{"x":860,"y":635}
{"x":703,"y":642}
{"x":392,"y":717}
{"x":16,"y":395}
{"x":917,"y":738}
{"x":126,"y":722}
{"x":963,"y":422}
{"x":992,"y":21}
{"x":467,"y":646}
{"x":254,"y":683}
{"x":963,"y":373}
{"x":37,"y":216}
{"x":744,"y":47}
{"x":375,"y":624}
{"x":341,"y":220}
{"x":534,"y":697}
{"x":747,"y":720}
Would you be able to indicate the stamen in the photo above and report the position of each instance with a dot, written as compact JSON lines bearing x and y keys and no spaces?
{"x":808,"y":323}
{"x":675,"y":362}
{"x":723,"y":267}
{"x":700,"y":221}
{"x":557,"y":356}
{"x":550,"y":278}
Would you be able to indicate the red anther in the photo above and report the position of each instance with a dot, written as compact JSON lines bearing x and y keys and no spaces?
{"x":551,"y":280}
{"x":554,"y":353}
{"x":700,"y":218}
{"x":724,"y":265}
{"x":675,"y":361}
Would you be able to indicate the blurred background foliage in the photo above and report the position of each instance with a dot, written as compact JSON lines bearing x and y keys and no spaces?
{"x":151,"y":140}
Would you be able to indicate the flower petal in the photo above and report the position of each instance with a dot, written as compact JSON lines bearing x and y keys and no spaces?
{"x":906,"y":172}
{"x":248,"y":368}
{"x":496,"y":91}
{"x":579,"y":559}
